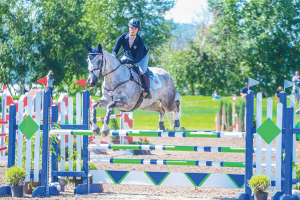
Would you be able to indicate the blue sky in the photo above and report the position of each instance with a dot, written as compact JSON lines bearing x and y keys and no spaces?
{"x":183,"y":10}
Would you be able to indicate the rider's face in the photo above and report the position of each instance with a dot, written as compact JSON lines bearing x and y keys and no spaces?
{"x":133,"y":31}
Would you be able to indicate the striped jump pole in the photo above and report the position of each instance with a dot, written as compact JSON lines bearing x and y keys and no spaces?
{"x":192,"y":134}
{"x":171,"y":148}
{"x":111,"y":117}
{"x":71,"y":132}
{"x":2,"y":122}
{"x":3,"y":148}
{"x":167,"y":162}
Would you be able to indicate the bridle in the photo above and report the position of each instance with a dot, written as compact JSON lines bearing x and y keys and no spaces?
{"x":110,"y":92}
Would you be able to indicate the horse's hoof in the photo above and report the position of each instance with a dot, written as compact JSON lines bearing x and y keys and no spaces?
{"x":96,"y":131}
{"x":180,"y":128}
{"x":105,"y":133}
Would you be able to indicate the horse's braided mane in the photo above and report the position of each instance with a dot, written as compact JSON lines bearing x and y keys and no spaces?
{"x":110,"y":57}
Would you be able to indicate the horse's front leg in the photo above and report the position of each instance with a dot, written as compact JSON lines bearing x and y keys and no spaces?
{"x":102,"y":103}
{"x":115,"y":104}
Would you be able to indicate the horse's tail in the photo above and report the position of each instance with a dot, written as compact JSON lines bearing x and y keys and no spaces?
{"x":171,"y":115}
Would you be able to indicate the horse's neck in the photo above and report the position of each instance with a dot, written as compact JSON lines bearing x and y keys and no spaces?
{"x":115,"y":77}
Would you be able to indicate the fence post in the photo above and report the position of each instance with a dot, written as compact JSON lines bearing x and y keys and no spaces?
{"x":12,"y":136}
{"x":248,"y":146}
{"x":45,"y":156}
{"x":289,"y":155}
{"x":54,"y":157}
{"x":282,"y":98}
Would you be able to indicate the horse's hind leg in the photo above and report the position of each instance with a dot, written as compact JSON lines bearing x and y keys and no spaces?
{"x":173,"y":108}
{"x":156,"y":106}
{"x":177,"y":117}
{"x":161,"y":124}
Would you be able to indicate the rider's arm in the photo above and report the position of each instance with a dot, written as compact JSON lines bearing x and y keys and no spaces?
{"x":117,"y":46}
{"x":139,"y":55}
{"x":295,"y":79}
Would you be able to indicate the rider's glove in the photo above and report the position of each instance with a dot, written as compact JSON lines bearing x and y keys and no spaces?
{"x":124,"y":61}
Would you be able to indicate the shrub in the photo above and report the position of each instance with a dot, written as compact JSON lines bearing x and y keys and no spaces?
{"x":259,"y":183}
{"x":228,"y":109}
{"x":92,"y":166}
{"x":114,"y":126}
{"x":220,"y":110}
{"x":240,"y":107}
{"x":15,"y":175}
{"x":297,"y":186}
{"x":229,"y":114}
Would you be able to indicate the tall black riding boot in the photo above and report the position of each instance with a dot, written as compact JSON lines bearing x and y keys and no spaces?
{"x":146,"y":84}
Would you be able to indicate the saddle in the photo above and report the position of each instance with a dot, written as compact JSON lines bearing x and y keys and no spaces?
{"x":155,"y":82}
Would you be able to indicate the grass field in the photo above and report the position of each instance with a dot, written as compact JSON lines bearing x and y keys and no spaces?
{"x":198,"y":113}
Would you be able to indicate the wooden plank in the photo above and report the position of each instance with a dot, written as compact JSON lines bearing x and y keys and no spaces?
{"x":37,"y":137}
{"x":28,"y":143}
{"x":78,"y":137}
{"x":20,"y":134}
{"x":278,"y":148}
{"x":269,"y":146}
{"x":70,"y":137}
{"x":258,"y":138}
{"x":62,"y":138}
{"x":293,"y":104}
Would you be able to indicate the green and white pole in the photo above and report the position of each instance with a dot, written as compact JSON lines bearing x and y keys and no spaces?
{"x":192,"y":134}
{"x":168,"y":148}
{"x":172,"y":148}
{"x":71,"y":132}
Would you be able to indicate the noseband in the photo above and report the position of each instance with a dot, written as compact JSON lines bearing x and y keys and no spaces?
{"x":100,"y":66}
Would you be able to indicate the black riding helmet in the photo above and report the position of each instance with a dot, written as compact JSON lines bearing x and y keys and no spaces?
{"x":136,"y":23}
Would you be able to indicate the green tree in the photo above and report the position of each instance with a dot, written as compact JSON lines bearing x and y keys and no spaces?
{"x":263,"y":35}
{"x":61,"y":41}
{"x":108,"y":20}
{"x":17,"y":37}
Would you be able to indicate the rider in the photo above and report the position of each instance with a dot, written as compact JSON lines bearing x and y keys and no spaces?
{"x":135,"y":52}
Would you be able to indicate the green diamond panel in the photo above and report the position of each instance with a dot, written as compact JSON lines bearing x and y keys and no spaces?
{"x":28,"y":127}
{"x":268,"y":131}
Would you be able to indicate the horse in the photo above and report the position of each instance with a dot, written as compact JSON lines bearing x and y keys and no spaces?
{"x":122,"y":90}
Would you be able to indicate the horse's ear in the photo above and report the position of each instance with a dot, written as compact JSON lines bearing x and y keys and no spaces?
{"x":88,"y":48}
{"x":100,"y":48}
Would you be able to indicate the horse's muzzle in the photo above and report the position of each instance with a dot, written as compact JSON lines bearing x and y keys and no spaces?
{"x":92,"y":83}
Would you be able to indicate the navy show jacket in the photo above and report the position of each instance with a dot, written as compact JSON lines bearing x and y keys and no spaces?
{"x":134,"y":54}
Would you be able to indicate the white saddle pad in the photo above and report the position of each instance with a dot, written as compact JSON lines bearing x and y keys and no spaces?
{"x":155,"y":82}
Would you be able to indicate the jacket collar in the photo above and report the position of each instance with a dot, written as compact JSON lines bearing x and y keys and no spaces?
{"x":127,"y":37}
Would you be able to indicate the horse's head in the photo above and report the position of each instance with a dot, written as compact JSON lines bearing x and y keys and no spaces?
{"x":95,"y":61}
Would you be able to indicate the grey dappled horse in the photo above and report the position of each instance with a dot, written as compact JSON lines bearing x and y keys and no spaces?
{"x":121,"y":90}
